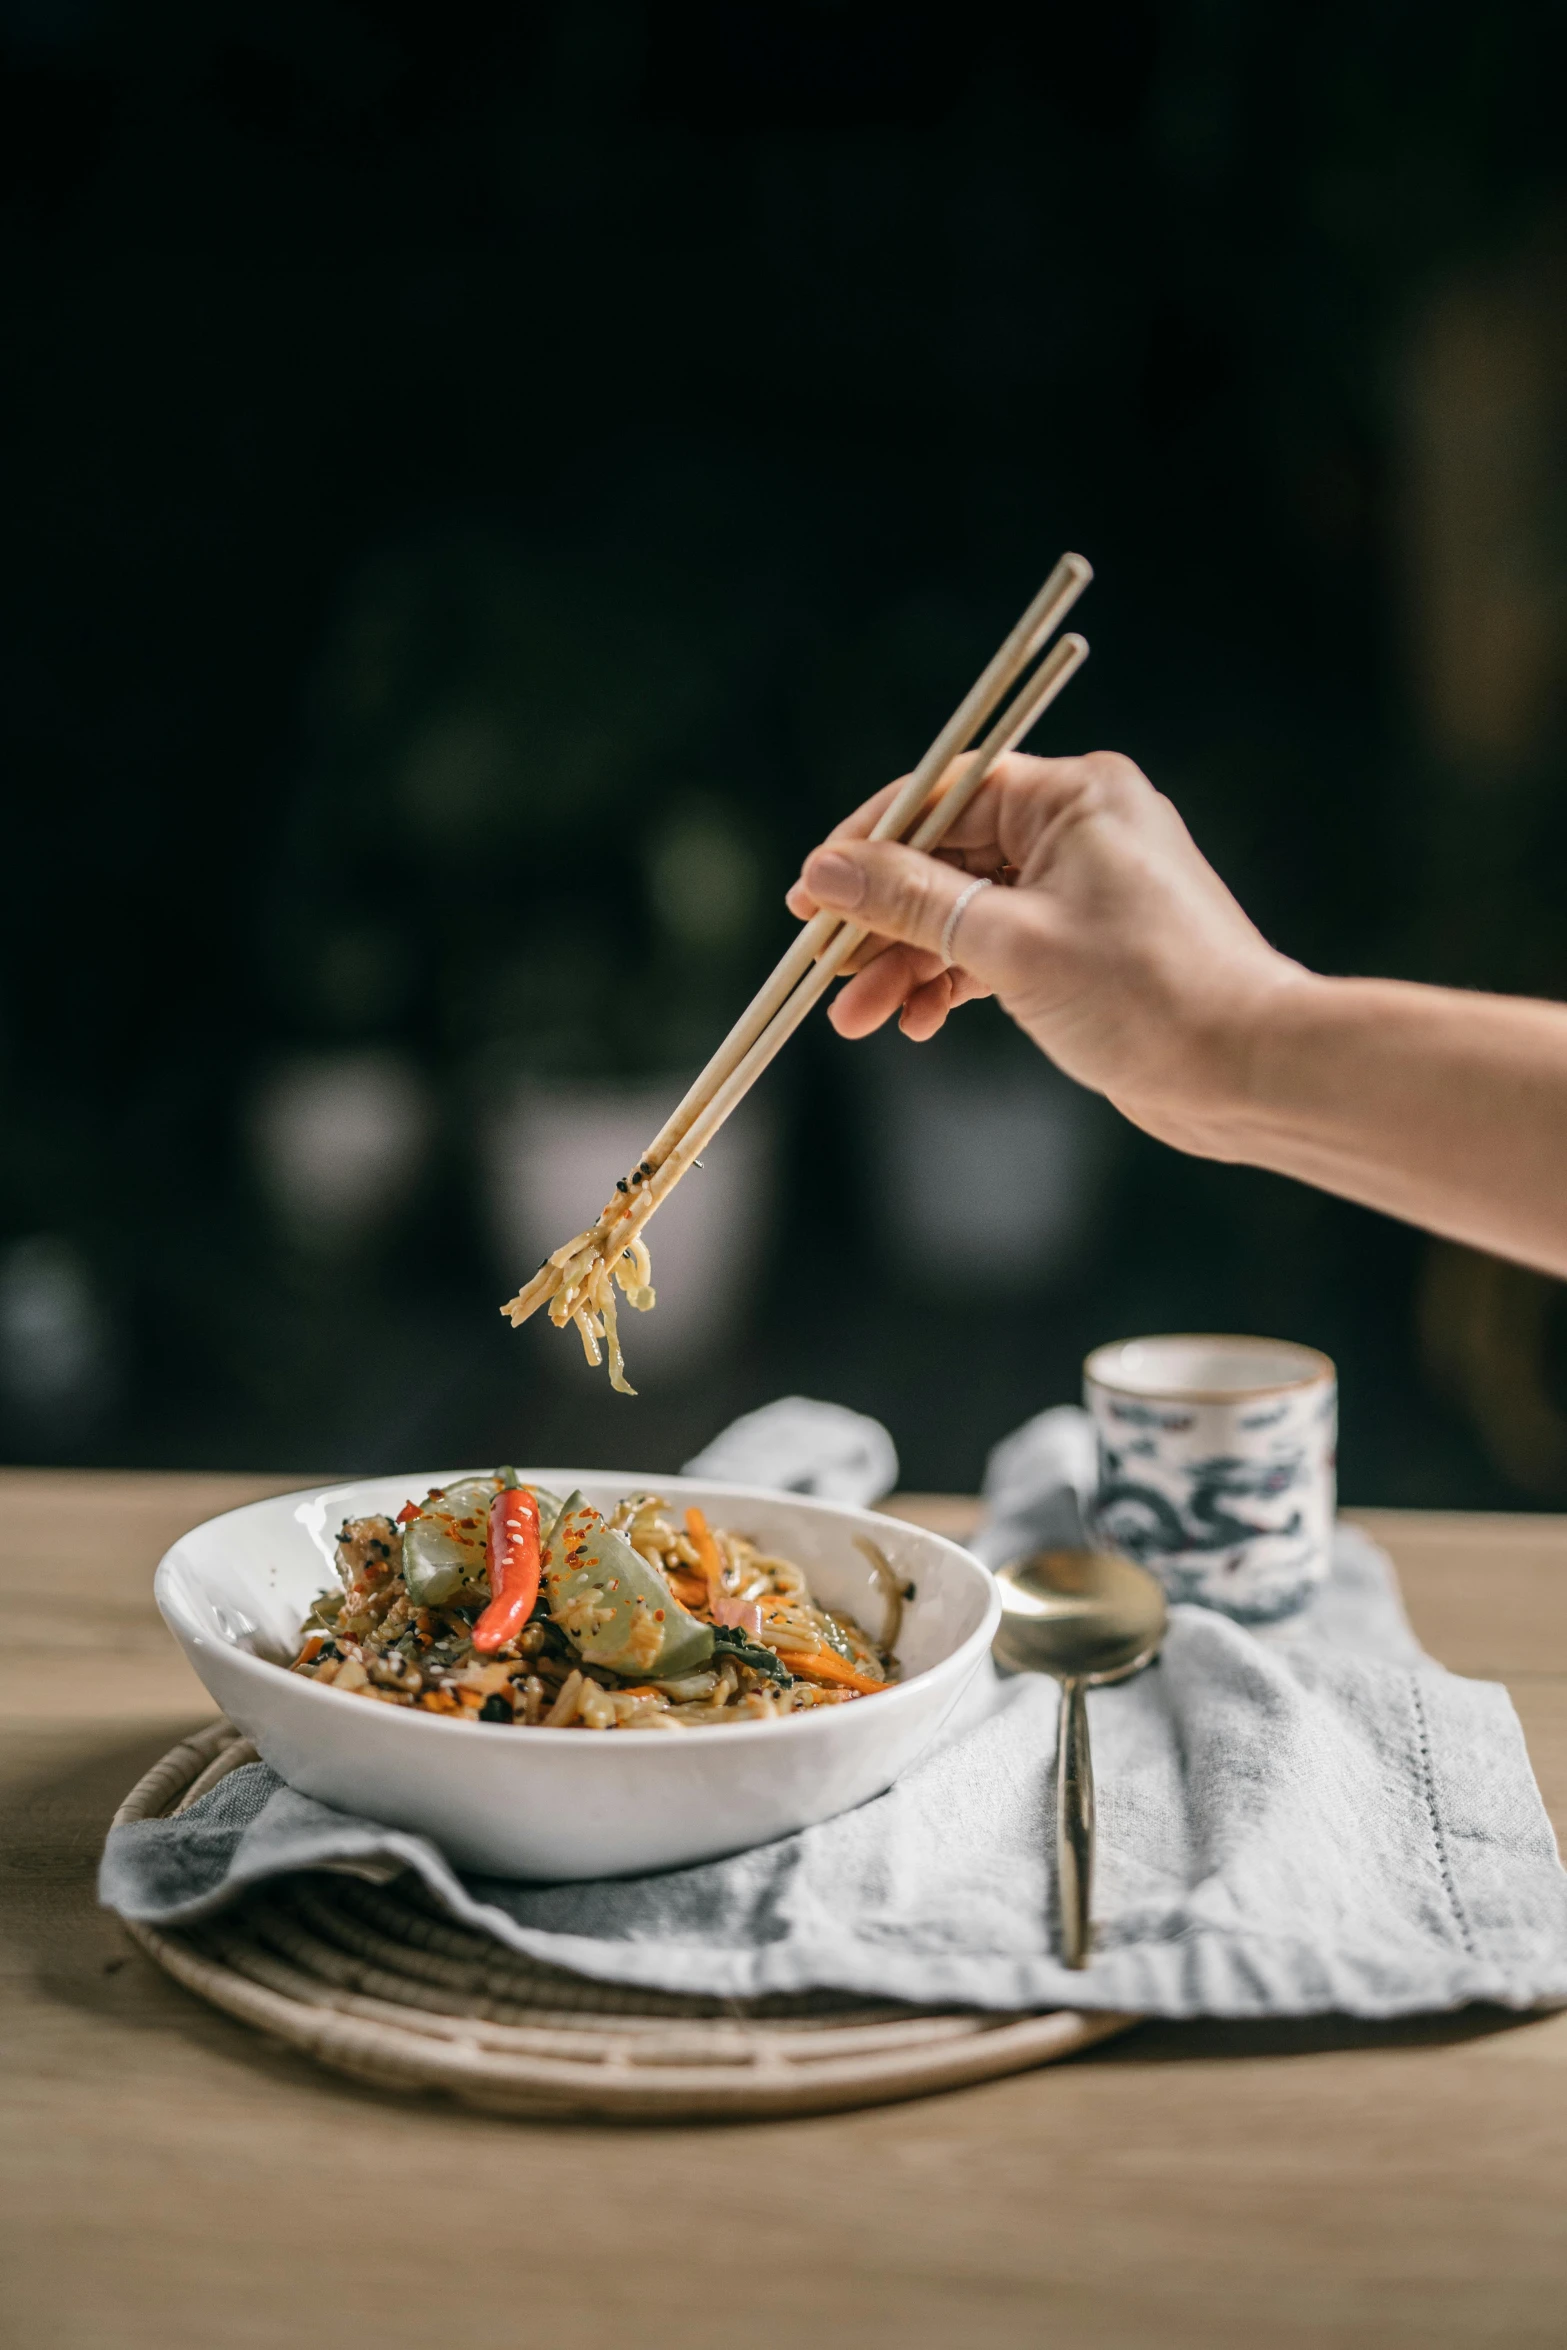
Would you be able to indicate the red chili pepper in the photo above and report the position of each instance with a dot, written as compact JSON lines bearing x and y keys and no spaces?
{"x":511,"y":1551}
{"x":410,"y":1509}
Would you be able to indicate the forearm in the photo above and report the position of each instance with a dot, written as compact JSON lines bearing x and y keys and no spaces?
{"x":1446,"y":1109}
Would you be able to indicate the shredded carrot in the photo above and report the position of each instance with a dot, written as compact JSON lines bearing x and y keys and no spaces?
{"x":706,"y":1549}
{"x":311,"y":1650}
{"x":825,"y":1665}
{"x":690,"y":1590}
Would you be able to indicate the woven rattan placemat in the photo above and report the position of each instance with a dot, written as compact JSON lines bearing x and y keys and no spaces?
{"x":374,"y":1979}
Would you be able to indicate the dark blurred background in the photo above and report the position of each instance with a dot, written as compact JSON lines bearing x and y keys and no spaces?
{"x":485,"y":488}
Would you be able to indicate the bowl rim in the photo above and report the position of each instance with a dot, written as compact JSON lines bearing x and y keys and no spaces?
{"x":818,"y":1722}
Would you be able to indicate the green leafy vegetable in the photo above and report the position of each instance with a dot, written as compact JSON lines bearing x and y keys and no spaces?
{"x":728,"y":1642}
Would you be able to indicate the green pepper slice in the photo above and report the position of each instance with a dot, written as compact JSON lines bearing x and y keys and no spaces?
{"x":443,"y":1542}
{"x":613,"y":1607}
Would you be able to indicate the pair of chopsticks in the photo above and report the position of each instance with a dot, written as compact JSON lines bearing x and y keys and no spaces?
{"x":827,"y":941}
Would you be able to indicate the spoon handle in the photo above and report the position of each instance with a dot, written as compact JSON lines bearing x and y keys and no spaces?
{"x":1074,"y":1824}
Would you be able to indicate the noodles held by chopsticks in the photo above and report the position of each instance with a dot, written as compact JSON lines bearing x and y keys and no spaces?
{"x":586,"y":1273}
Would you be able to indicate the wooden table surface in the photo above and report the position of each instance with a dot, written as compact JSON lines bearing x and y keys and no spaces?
{"x":170,"y":2180}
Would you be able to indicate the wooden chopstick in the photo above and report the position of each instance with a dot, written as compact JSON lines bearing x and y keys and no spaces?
{"x":1054,"y":600}
{"x":804,"y":974}
{"x":1053,"y":673}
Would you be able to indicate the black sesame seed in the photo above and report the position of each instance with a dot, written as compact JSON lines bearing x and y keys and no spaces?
{"x":495,"y":1709}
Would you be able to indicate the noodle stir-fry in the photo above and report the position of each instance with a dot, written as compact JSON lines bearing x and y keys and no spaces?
{"x":492,"y":1600}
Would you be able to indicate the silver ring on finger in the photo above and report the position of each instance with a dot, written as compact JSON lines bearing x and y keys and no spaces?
{"x":960,"y":906}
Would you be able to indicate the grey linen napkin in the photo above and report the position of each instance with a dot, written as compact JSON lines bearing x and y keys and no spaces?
{"x":1311,"y":1818}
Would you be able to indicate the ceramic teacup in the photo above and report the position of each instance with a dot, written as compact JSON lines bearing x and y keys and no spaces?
{"x":1216,"y":1467}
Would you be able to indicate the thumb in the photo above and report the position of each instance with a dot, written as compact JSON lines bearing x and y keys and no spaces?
{"x":897,"y":892}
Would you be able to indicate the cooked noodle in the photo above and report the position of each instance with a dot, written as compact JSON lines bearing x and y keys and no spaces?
{"x":579,"y":1280}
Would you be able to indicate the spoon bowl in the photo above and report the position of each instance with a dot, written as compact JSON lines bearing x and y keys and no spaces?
{"x":1089,"y":1617}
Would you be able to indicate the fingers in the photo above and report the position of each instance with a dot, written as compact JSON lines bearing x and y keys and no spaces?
{"x":918,"y":987}
{"x":1028,"y":815}
{"x":1008,"y":818}
{"x":972,"y":841}
{"x":859,"y":826}
{"x":927,"y":1008}
{"x":969,"y":862}
{"x":885,"y":985}
{"x":966,"y":989}
{"x":886,"y":888}
{"x":863,"y":822}
{"x":909,"y":899}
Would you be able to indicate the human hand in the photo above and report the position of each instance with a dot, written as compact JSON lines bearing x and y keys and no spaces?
{"x":1110,"y":940}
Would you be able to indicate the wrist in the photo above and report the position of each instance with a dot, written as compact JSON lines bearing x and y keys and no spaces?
{"x":1277,"y":1064}
{"x":1242,"y":1045}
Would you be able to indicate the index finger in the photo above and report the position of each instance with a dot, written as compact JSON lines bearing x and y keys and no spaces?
{"x":981,"y":824}
{"x":863,"y":822}
{"x":865,"y":819}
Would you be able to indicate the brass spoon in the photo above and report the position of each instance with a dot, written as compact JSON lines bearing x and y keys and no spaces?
{"x":1088,"y":1617}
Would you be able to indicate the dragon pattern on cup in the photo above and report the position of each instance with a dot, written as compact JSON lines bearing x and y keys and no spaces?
{"x":1229,"y":1502}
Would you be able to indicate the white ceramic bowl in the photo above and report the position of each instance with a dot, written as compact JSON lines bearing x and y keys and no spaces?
{"x":573,"y":1803}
